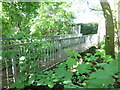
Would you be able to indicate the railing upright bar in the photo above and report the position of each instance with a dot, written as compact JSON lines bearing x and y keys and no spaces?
{"x":14,"y":69}
{"x":41,"y":59}
{"x":47,"y":53}
{"x":60,"y":50}
{"x":56,"y":51}
{"x":50,"y":53}
{"x":44,"y":57}
{"x":7,"y":74}
{"x":38,"y":59}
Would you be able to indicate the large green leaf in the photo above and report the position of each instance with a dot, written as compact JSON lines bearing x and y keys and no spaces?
{"x":62,"y":72}
{"x":112,"y":67}
{"x":82,"y":68}
{"x":18,"y":84}
{"x":100,"y":78}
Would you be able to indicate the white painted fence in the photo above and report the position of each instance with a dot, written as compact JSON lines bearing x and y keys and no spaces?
{"x":56,"y":52}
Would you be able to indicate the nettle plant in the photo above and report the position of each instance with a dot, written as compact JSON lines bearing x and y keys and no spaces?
{"x":97,"y":71}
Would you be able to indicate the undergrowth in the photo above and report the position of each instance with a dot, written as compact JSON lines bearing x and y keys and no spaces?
{"x":96,"y":71}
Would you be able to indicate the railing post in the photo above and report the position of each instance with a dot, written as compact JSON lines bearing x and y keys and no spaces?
{"x":14,"y":69}
{"x":79,"y":29}
{"x":7,"y":74}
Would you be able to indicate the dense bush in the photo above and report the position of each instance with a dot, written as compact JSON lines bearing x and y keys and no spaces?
{"x":41,"y":18}
{"x":88,"y":28}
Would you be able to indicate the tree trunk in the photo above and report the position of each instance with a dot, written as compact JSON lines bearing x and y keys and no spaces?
{"x":109,"y":39}
{"x":119,"y":27}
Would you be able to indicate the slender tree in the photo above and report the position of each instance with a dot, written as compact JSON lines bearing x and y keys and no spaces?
{"x":109,"y":39}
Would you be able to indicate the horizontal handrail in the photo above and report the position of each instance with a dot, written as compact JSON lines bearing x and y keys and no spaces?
{"x":7,"y":38}
{"x":13,"y":46}
{"x":64,"y":38}
{"x":61,"y":35}
{"x":43,"y":36}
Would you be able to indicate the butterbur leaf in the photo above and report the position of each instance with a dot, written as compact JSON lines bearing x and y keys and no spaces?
{"x":17,"y":84}
{"x":82,"y":68}
{"x":68,"y":75}
{"x":97,"y":74}
{"x":101,"y":64}
{"x":94,"y":84}
{"x":59,"y":71}
{"x":62,"y":72}
{"x":101,"y":83}
{"x":101,"y":78}
{"x":112,"y":67}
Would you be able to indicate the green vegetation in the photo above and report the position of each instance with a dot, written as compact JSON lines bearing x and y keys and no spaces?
{"x":27,"y":21}
{"x":94,"y":72}
{"x":89,"y":28}
{"x":35,"y":18}
{"x":28,"y":51}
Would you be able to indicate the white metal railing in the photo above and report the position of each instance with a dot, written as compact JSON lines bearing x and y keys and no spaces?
{"x":54,"y":50}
